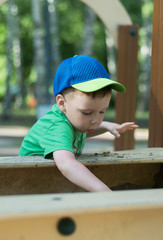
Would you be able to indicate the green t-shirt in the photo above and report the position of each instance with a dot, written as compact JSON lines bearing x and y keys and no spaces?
{"x":51,"y":133}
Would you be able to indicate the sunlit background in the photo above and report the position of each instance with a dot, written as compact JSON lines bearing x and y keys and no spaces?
{"x":55,"y":30}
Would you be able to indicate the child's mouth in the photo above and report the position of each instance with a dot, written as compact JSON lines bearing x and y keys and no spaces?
{"x":90,"y":130}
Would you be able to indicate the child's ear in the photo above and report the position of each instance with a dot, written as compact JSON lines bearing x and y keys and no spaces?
{"x":61,"y":102}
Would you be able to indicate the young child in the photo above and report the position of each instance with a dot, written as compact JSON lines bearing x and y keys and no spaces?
{"x":82,"y":88}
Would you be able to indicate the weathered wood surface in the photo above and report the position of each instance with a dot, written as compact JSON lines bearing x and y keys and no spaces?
{"x":147,"y":155}
{"x":116,"y":215}
{"x":134,"y":169}
{"x":127,"y":74}
{"x":156,"y":85}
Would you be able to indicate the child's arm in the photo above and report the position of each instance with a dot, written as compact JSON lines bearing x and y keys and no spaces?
{"x":77,"y":173}
{"x":114,"y":128}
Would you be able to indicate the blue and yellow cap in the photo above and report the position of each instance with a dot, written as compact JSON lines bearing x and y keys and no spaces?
{"x":83,"y":73}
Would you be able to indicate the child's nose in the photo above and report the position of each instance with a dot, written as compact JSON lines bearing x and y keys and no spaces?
{"x":95,"y":121}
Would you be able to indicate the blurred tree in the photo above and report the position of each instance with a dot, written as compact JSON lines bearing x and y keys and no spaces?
{"x":17,"y":58}
{"x":7,"y":99}
{"x":26,"y":27}
{"x":47,"y":52}
{"x":88,"y":34}
{"x":70,"y":20}
{"x":64,"y":28}
{"x":3,"y":54}
{"x":54,"y":31}
{"x":134,"y":10}
{"x":145,"y":55}
{"x":39,"y":51}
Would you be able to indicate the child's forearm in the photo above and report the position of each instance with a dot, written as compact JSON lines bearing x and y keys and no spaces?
{"x":78,"y":174}
{"x":113,"y":128}
{"x":81,"y":176}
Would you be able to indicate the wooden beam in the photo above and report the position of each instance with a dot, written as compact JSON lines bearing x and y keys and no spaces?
{"x":135,"y":169}
{"x":115,"y":215}
{"x":127,"y":75}
{"x":156,"y":92}
{"x":111,"y":13}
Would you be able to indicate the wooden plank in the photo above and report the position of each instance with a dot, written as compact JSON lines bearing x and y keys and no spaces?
{"x":134,"y":169}
{"x":116,"y":215}
{"x":127,"y":75}
{"x":15,"y":206}
{"x":156,"y":96}
{"x":50,"y":180}
{"x":142,"y":155}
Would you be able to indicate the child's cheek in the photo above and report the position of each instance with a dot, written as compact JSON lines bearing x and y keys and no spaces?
{"x":81,"y":123}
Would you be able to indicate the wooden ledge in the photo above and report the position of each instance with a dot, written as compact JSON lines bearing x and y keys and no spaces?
{"x":146,"y":155}
{"x":108,"y":215}
{"x":134,"y":169}
{"x":78,"y":202}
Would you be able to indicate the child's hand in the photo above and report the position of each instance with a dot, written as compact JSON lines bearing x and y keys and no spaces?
{"x":117,"y":129}
{"x":114,"y":128}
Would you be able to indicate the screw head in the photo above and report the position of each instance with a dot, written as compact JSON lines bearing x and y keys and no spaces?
{"x":66,"y":226}
{"x":132,"y":32}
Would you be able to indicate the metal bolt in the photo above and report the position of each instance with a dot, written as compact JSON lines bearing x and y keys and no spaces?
{"x":132,"y":32}
{"x":66,"y":226}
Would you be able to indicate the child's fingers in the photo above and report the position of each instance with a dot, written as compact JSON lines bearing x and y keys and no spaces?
{"x":127,"y":126}
{"x":115,"y":133}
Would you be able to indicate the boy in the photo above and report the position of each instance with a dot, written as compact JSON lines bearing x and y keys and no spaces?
{"x":82,"y":88}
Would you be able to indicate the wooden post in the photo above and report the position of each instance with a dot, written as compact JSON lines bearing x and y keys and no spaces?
{"x":127,"y":75}
{"x":156,"y":93}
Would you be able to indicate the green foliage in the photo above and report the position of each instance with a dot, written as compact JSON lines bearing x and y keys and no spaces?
{"x":3,"y":34}
{"x":26,"y":37}
{"x":100,"y":52}
{"x":71,"y":29}
{"x":134,"y":10}
{"x":147,"y":10}
{"x":70,"y":14}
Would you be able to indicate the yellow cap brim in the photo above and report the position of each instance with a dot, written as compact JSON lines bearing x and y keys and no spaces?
{"x":97,"y":84}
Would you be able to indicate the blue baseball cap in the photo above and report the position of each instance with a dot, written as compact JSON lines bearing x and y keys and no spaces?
{"x":83,"y":73}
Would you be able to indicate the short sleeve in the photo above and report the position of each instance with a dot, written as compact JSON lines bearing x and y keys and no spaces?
{"x":60,"y":136}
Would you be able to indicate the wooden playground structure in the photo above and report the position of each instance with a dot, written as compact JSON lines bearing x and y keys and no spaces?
{"x":120,"y":170}
{"x":37,"y":202}
{"x":117,"y":215}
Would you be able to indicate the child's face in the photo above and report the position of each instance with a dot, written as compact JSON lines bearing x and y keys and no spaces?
{"x":84,"y":112}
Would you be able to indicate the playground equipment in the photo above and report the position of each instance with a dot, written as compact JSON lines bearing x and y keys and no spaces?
{"x":125,"y":37}
{"x":156,"y":96}
{"x":117,"y":215}
{"x":123,"y":170}
{"x":134,"y":214}
{"x":120,"y":27}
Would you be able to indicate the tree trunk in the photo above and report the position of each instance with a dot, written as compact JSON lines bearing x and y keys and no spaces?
{"x":48,"y":52}
{"x":7,"y":101}
{"x":88,"y":38}
{"x":56,"y":56}
{"x":18,"y":59}
{"x":39,"y":54}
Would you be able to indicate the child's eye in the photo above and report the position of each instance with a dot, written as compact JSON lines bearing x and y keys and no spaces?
{"x":86,"y":113}
{"x":102,"y":112}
